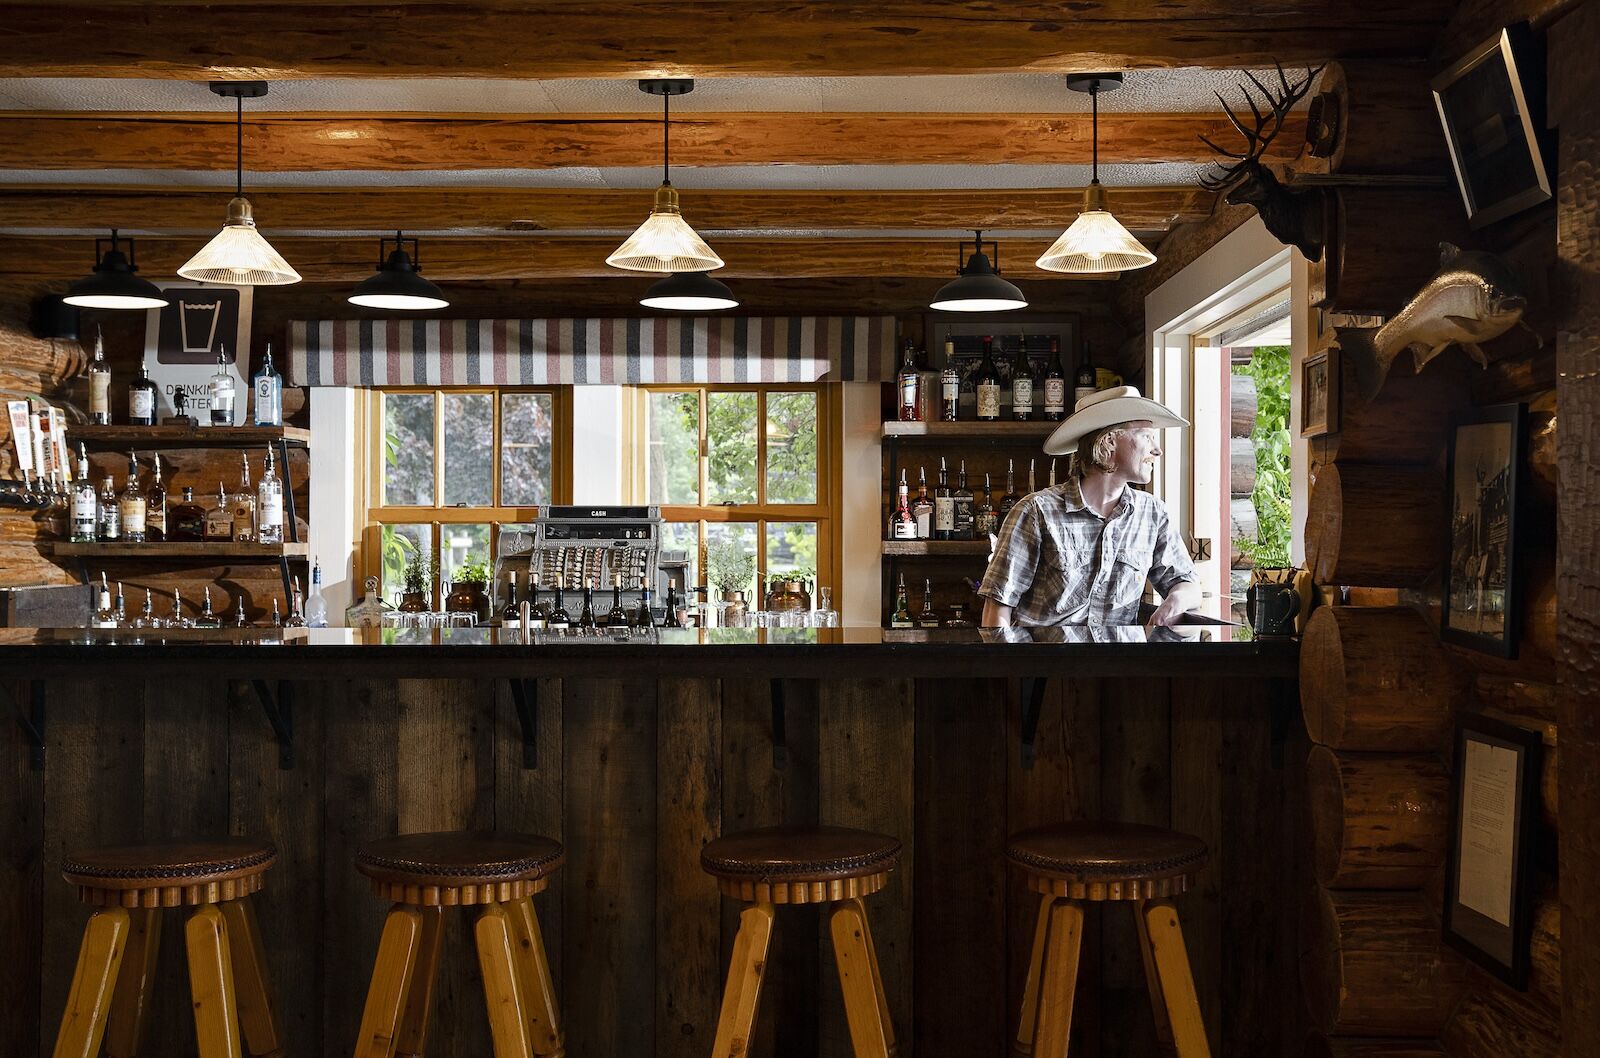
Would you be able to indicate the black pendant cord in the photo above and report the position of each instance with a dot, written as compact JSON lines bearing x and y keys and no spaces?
{"x":1094,"y":104}
{"x":238,"y":152}
{"x":666,"y":142}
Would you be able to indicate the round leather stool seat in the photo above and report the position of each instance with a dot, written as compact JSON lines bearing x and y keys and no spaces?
{"x":169,"y":874}
{"x":456,"y":867}
{"x":1107,"y":861}
{"x":800,"y":864}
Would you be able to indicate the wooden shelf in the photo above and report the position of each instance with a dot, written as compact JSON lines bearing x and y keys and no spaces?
{"x":180,"y":549}
{"x":970,"y":430}
{"x":936,"y":548}
{"x":121,"y":436}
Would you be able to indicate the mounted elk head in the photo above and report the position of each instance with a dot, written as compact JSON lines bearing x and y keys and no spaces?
{"x":1293,"y":217}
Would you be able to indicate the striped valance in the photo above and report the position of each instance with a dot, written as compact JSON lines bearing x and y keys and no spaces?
{"x":590,"y":351}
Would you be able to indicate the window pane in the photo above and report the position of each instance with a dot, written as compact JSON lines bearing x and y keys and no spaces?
{"x":685,"y":537}
{"x":672,"y":448}
{"x":468,"y":449}
{"x":731,"y":447}
{"x":724,"y":542}
{"x":527,"y":423}
{"x":791,"y":448}
{"x":460,"y":544}
{"x":408,"y":448}
{"x":792,"y":546}
{"x":402,"y":544}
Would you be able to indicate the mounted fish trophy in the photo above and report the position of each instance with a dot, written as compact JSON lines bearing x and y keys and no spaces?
{"x":1295,"y":218}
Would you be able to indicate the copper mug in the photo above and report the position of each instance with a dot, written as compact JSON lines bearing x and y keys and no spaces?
{"x":1272,"y":607}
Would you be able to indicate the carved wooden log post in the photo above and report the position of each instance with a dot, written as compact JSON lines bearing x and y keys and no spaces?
{"x":1494,"y":1021}
{"x":1382,"y":263}
{"x":1379,"y":821}
{"x":1408,"y":421}
{"x":1375,"y":678}
{"x":1375,"y":526}
{"x":1374,"y":965}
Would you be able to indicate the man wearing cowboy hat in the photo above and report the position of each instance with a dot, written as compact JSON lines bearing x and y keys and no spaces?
{"x":1081,"y":552}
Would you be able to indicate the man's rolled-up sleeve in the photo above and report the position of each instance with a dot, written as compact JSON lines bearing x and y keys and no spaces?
{"x":1016,"y":556}
{"x":1170,"y":563}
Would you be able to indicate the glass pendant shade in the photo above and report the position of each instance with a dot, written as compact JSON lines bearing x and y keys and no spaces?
{"x":397,"y":285}
{"x":689,"y":292}
{"x":238,"y":255}
{"x":1096,"y":242}
{"x":979,"y":288}
{"x":665,"y":242}
{"x":113,"y":284}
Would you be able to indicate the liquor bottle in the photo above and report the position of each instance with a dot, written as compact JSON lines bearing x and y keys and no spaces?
{"x":1022,"y":384}
{"x":366,"y":612}
{"x":586,"y":615}
{"x":1009,"y":500}
{"x":618,"y":617}
{"x":269,"y":505}
{"x":99,"y":383}
{"x":222,"y":391}
{"x":121,"y":608}
{"x":1055,"y":385}
{"x":908,"y":382}
{"x":142,"y":397}
{"x":1052,"y":472}
{"x":187,"y":519}
{"x":1083,"y":384}
{"x":949,"y":385}
{"x":922,"y":507}
{"x":644,"y":617}
{"x":944,"y":506}
{"x":244,"y":504}
{"x":511,"y":612}
{"x":268,"y":387}
{"x":927,"y":618}
{"x":277,"y":615}
{"x":110,"y":527}
{"x":297,"y":606}
{"x":560,"y":620}
{"x":208,"y":616}
{"x":85,"y":505}
{"x":176,"y":619}
{"x":964,"y":514}
{"x":105,"y":614}
{"x":538,"y":609}
{"x":219,"y":519}
{"x":147,"y":616}
{"x":903,"y":526}
{"x":986,"y":520}
{"x":316,"y":605}
{"x":670,"y":620}
{"x":1032,"y":482}
{"x":131,"y":505}
{"x":239,"y":619}
{"x":988,"y":384}
{"x":901,"y":618}
{"x":155,"y":507}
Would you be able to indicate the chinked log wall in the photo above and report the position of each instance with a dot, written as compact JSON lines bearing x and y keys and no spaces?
{"x":634,"y":776}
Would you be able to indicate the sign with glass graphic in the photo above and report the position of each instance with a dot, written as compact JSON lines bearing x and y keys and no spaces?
{"x":182,"y":341}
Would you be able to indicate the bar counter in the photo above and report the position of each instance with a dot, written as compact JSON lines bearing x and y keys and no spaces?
{"x":633,"y":752}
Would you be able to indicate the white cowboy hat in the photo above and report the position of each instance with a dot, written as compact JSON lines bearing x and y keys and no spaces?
{"x":1108,"y":407}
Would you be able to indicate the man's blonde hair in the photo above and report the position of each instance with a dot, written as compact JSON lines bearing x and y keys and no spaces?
{"x":1097,"y":450}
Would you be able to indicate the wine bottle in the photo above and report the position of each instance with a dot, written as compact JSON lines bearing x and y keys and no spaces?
{"x":949,"y":385}
{"x":1022,"y":384}
{"x":988,"y":384}
{"x":618,"y":616}
{"x":511,"y":612}
{"x":99,"y":383}
{"x":1084,"y":381}
{"x":644,"y":617}
{"x":560,"y":620}
{"x":1055,"y":385}
{"x":586,"y":616}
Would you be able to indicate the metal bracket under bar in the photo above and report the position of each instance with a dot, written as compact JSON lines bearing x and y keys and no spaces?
{"x":525,"y":696}
{"x":1032,"y":706}
{"x":280,"y":714}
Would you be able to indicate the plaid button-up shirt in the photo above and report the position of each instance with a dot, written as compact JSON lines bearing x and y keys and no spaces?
{"x":1057,"y":561}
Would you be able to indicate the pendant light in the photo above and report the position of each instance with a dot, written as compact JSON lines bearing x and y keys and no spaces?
{"x":665,"y":242}
{"x":979,"y":287}
{"x":689,"y":292}
{"x":113,"y":284}
{"x":238,"y":255}
{"x":1096,"y":242}
{"x":398,"y":283}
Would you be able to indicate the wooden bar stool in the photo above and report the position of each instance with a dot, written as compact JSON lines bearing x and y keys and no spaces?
{"x":425,"y":873}
{"x":1072,"y":863}
{"x":112,"y":990}
{"x":804,"y":865}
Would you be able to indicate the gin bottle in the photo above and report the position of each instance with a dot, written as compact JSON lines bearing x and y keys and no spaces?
{"x":222,"y":391}
{"x":268,"y":387}
{"x":269,"y":505}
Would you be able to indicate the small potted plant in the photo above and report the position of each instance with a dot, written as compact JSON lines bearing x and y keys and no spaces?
{"x":732,"y":569}
{"x":418,"y":580}
{"x":787,"y":590}
{"x":468,"y":589}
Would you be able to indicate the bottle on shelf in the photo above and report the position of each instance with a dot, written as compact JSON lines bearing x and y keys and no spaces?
{"x":105,"y":613}
{"x":268,"y":388}
{"x":988,"y":384}
{"x":131,"y":505}
{"x":1032,"y":481}
{"x":99,"y":383}
{"x":219,"y":519}
{"x":949,"y":385}
{"x":965,"y":515}
{"x":903,"y":524}
{"x":1009,"y":500}
{"x":142,"y":397}
{"x":1083,"y":381}
{"x":922,"y":507}
{"x":316,"y":605}
{"x":1052,"y":473}
{"x":110,"y":515}
{"x":618,"y":616}
{"x":926,"y":618}
{"x":155,"y":506}
{"x":176,"y":618}
{"x":901,"y":618}
{"x":1055,"y":385}
{"x":277,"y":614}
{"x":366,"y":612}
{"x":187,"y":519}
{"x":85,"y":505}
{"x":208,"y":617}
{"x":222,"y":391}
{"x":244,"y":504}
{"x":670,"y":620}
{"x":560,"y":620}
{"x":511,"y":612}
{"x":644,"y":617}
{"x":1022,"y":384}
{"x":986,"y":520}
{"x":297,"y":607}
{"x":269,"y":505}
{"x":908,"y":383}
{"x":944,"y":506}
{"x":121,"y":608}
{"x":239,"y":618}
{"x":538,"y":609}
{"x":586,"y":615}
{"x":147,"y":616}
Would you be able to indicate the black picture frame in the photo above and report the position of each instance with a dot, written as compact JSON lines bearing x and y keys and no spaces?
{"x":1491,"y":104}
{"x":1502,"y":875}
{"x":1481,"y":597}
{"x":1319,"y":393}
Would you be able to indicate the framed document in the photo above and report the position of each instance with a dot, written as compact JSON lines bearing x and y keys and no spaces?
{"x":1488,"y":910}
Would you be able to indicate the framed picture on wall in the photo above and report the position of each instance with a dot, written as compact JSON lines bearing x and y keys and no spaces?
{"x":1488,"y":906}
{"x":1481,"y":589}
{"x":1319,"y":393}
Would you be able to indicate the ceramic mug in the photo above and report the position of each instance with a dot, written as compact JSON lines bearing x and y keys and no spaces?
{"x":1272,"y":608}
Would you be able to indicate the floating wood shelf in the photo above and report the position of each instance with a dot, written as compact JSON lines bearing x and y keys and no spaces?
{"x":936,"y":548}
{"x":121,"y":436}
{"x":180,"y":549}
{"x":970,"y":430}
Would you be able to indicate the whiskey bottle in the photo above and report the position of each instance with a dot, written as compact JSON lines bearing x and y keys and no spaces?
{"x":155,"y":508}
{"x":988,"y":384}
{"x":1009,"y":500}
{"x":85,"y":505}
{"x":538,"y":609}
{"x":222,"y":391}
{"x":269,"y":505}
{"x":1055,"y":385}
{"x":586,"y":615}
{"x":922,"y":507}
{"x":142,"y":397}
{"x":131,"y":505}
{"x":927,"y":618}
{"x":268,"y":388}
{"x":1022,"y":384}
{"x":244,"y":504}
{"x":1083,"y":384}
{"x":908,"y":383}
{"x":99,"y":383}
{"x":366,"y":612}
{"x":901,"y":618}
{"x":219,"y":519}
{"x":110,"y":515}
{"x":903,"y":525}
{"x":187,"y":518}
{"x":986,"y":521}
{"x":618,"y":616}
{"x":644,"y":617}
{"x":965,"y":516}
{"x":560,"y":620}
{"x":511,"y":612}
{"x":944,"y":506}
{"x":949,"y":385}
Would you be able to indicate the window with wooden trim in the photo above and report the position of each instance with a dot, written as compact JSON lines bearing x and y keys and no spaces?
{"x":451,"y":469}
{"x":745,"y":468}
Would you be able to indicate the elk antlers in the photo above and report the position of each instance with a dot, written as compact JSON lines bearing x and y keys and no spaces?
{"x":1267,"y":126}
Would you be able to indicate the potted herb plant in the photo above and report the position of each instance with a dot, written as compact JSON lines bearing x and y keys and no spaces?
{"x":468,"y":589}
{"x":731,"y":569}
{"x":418,"y":581}
{"x":787,"y":590}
